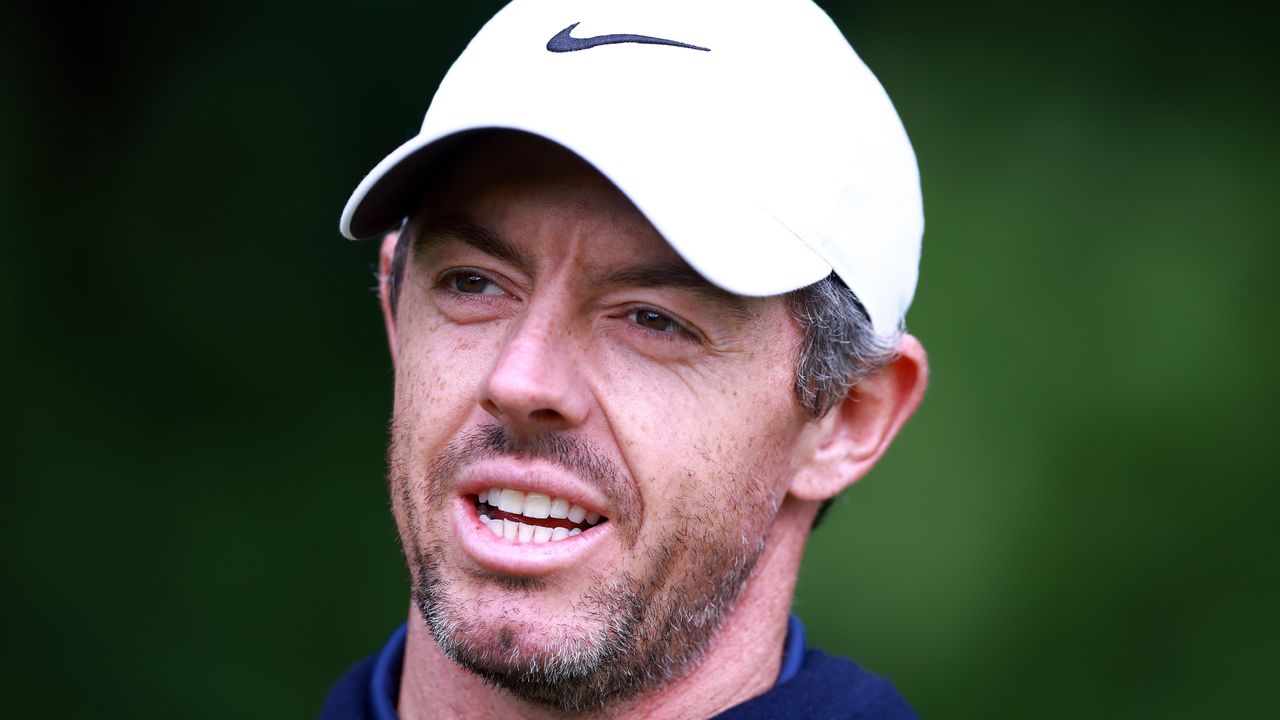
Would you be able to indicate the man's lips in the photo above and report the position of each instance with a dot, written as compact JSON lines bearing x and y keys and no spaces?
{"x":534,"y":555}
{"x":564,"y":528}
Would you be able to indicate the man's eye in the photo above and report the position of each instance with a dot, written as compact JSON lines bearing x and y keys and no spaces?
{"x":474,"y":284}
{"x":654,"y":320}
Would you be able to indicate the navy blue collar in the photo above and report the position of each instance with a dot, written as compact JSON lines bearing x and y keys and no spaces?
{"x":384,"y":684}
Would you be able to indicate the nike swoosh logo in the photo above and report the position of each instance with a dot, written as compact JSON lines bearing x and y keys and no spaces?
{"x":563,"y":41}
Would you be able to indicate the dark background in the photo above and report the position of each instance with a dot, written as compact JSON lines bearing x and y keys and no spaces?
{"x":1078,"y":523}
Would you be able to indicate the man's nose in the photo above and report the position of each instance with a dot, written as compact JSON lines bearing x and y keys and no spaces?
{"x":534,"y":385}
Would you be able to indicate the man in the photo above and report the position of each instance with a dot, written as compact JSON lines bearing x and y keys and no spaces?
{"x":645,"y":306}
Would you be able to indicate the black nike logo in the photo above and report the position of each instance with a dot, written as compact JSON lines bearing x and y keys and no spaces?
{"x":564,"y":42}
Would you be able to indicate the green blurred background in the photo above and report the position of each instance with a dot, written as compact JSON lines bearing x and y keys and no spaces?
{"x":1078,"y":523}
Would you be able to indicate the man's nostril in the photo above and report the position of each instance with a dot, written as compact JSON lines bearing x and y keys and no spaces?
{"x":546,"y":416}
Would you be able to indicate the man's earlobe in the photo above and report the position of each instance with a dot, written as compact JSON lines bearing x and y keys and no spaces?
{"x":386,"y":258}
{"x":855,"y":433}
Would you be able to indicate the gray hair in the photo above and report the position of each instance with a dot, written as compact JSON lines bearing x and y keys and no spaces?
{"x":839,"y":346}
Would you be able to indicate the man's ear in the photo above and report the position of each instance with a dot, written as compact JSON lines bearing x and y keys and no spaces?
{"x":853,"y":435}
{"x":386,"y":257}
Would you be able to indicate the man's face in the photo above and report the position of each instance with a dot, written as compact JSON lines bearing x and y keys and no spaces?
{"x":552,"y":345}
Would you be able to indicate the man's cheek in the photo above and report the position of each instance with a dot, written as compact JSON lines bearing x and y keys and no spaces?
{"x":434,"y":375}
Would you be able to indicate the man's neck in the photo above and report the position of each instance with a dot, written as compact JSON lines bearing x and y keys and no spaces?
{"x":741,"y":661}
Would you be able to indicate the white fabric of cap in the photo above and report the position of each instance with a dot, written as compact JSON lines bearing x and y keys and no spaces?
{"x":767,"y":161}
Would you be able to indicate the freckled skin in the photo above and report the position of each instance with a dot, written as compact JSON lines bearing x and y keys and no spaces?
{"x":704,"y":429}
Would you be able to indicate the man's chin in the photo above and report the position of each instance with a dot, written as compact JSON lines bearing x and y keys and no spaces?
{"x":565,"y":661}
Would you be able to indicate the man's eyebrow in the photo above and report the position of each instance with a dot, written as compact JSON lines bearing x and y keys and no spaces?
{"x":461,"y":229}
{"x":663,"y":273}
{"x":675,"y":274}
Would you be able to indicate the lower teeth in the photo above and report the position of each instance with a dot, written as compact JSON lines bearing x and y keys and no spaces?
{"x":525,"y":532}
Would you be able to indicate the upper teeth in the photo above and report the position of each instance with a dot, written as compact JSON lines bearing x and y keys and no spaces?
{"x":537,"y":505}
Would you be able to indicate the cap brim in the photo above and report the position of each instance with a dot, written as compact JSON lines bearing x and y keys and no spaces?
{"x":383,"y":198}
{"x":722,"y":232}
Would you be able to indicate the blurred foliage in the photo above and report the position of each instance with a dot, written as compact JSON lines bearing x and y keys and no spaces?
{"x":1077,"y":523}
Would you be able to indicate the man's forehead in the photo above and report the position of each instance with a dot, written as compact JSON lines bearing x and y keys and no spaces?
{"x":496,"y":189}
{"x":497,"y":158}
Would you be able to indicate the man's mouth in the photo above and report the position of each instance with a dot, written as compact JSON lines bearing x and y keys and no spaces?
{"x":533,"y":517}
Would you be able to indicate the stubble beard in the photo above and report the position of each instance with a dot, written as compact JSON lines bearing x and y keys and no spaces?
{"x":628,"y":633}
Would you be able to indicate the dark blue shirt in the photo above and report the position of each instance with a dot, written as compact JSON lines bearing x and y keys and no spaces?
{"x":810,"y":684}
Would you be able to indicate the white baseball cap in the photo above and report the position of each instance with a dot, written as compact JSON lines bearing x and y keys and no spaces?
{"x":748,"y":132}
